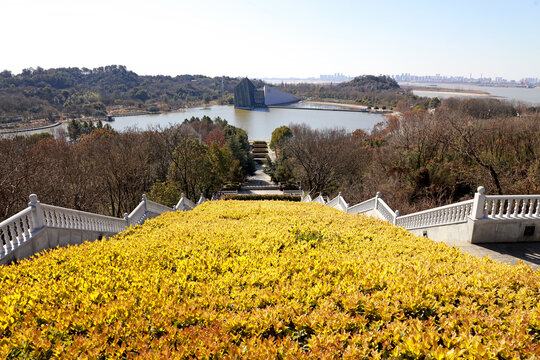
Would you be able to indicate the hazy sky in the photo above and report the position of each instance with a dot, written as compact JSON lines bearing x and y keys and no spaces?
{"x":276,"y":38}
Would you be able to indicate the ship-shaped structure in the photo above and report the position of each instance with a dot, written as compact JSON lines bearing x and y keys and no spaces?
{"x":247,"y":96}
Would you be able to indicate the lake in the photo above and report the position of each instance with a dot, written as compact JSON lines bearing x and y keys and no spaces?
{"x":258,"y":123}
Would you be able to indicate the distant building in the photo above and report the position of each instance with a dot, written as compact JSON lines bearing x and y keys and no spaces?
{"x":246,"y":96}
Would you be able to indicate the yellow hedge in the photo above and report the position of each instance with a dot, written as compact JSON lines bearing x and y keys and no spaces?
{"x":267,"y":280}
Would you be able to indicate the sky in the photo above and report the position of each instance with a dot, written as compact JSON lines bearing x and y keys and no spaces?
{"x":277,"y":38}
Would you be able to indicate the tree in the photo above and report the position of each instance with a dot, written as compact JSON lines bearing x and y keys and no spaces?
{"x":320,"y":157}
{"x":142,"y":95}
{"x":434,"y":102}
{"x":278,"y":135}
{"x":237,"y":141}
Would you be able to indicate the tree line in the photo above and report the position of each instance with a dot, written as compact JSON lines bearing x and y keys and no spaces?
{"x":368,"y":90}
{"x":420,"y":158}
{"x":106,"y":172}
{"x":75,"y":92}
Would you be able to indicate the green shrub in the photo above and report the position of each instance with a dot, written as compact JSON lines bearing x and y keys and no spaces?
{"x":262,"y":197}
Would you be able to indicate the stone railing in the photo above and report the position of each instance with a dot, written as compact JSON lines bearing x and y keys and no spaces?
{"x":363,"y":207}
{"x":42,"y":226}
{"x":444,"y":215}
{"x":384,"y":210}
{"x":62,"y":218}
{"x":511,"y":206}
{"x":157,"y":208}
{"x":184,"y":204}
{"x":334,"y":202}
{"x":470,"y":220}
{"x":16,"y":230}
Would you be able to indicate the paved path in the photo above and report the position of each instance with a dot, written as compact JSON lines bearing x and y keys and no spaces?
{"x":510,"y":253}
{"x":261,"y":179}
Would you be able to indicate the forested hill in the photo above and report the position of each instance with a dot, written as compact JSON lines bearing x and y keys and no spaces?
{"x":39,"y":92}
{"x":367,"y":83}
{"x":368,"y":90}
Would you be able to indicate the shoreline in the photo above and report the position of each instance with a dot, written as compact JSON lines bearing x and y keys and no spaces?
{"x":456,"y":92}
{"x":2,"y":132}
{"x":351,"y":107}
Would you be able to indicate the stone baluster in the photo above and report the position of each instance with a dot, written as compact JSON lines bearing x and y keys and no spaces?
{"x":531,"y":207}
{"x":26,"y":227}
{"x":509,"y":208}
{"x":19,"y":231}
{"x":7,"y":238}
{"x":516,"y":207}
{"x":523,"y":210}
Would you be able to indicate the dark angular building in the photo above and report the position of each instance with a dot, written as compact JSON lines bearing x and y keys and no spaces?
{"x":247,"y":96}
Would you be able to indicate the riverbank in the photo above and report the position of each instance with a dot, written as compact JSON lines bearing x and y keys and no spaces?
{"x":21,"y":130}
{"x":449,"y":92}
{"x":346,"y":107}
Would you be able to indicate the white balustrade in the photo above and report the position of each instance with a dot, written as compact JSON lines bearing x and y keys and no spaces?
{"x":444,"y":215}
{"x":20,"y":228}
{"x":156,"y":208}
{"x":386,"y":212}
{"x":139,"y":214}
{"x":333,"y":202}
{"x":342,"y":203}
{"x":306,"y":198}
{"x":15,"y":230}
{"x":319,"y":199}
{"x":201,"y":200}
{"x":63,"y":218}
{"x":362,"y":207}
{"x":511,"y":206}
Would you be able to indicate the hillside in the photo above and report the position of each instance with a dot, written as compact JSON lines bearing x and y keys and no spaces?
{"x":39,"y":92}
{"x":368,"y":90}
{"x":267,"y":280}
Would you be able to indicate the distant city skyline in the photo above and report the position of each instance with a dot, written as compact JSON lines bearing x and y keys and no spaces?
{"x":282,"y":38}
{"x":408,"y":77}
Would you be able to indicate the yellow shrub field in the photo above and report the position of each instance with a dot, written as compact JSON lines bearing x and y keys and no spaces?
{"x":266,"y":280}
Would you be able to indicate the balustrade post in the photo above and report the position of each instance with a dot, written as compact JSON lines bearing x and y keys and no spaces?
{"x":479,"y":203}
{"x":144,"y":200}
{"x":377,"y":197}
{"x":395,"y":217}
{"x":36,"y":215}
{"x":126,"y":217}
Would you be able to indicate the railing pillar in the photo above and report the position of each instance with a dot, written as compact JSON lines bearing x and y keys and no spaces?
{"x":479,"y":203}
{"x":126,"y":217}
{"x":396,"y":216}
{"x":37,"y":217}
{"x":144,"y":200}
{"x":377,"y":197}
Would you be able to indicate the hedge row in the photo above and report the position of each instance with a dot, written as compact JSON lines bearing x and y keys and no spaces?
{"x":262,"y":197}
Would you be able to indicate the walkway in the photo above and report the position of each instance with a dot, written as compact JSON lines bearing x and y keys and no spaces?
{"x":260,"y":183}
{"x":509,"y":253}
